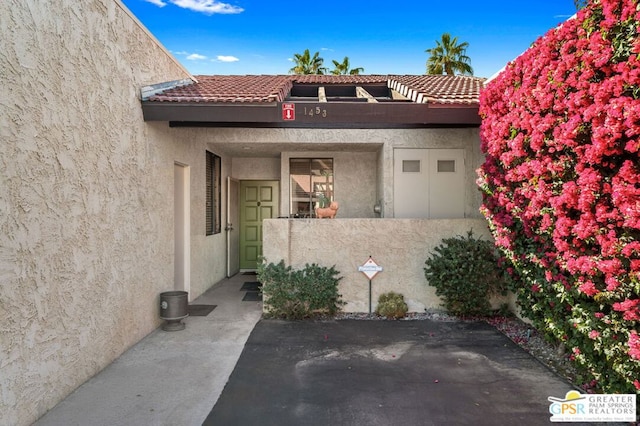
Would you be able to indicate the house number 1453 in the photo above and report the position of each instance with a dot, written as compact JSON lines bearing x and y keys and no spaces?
{"x":315,"y":111}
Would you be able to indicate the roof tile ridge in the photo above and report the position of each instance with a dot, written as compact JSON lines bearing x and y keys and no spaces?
{"x":411,"y":93}
{"x":281,"y":95}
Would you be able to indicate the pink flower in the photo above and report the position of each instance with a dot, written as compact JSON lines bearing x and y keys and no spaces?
{"x":634,"y":345}
{"x":630,"y":309}
{"x":612,"y":283}
{"x":561,"y":137}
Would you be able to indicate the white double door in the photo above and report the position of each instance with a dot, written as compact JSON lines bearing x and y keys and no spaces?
{"x":429,"y":183}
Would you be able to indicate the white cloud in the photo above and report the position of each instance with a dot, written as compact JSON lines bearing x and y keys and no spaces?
{"x":196,"y":57}
{"x":208,"y":7}
{"x":326,"y":49}
{"x":223,"y":58}
{"x":158,"y":3}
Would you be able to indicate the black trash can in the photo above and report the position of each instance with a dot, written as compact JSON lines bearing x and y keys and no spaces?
{"x":174,"y":307}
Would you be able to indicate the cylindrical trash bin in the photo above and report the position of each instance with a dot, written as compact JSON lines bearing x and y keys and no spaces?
{"x":174,"y":307}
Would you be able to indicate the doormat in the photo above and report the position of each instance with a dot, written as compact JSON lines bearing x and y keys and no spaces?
{"x":252,"y":296}
{"x":200,"y":310}
{"x":248,"y":273}
{"x":251,"y":286}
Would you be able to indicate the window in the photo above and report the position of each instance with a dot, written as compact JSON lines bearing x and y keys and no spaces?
{"x":311,"y":183}
{"x":446,"y":166}
{"x":411,"y":166}
{"x":213,"y":183}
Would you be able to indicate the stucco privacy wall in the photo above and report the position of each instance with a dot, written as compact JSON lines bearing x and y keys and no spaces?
{"x":400,"y":246}
{"x":86,"y":195}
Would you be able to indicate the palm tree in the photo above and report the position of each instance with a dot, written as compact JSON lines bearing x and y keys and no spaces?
{"x":448,"y":57}
{"x":306,"y":64}
{"x":344,"y":68}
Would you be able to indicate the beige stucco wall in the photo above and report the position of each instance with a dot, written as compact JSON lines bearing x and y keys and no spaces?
{"x":86,"y":197}
{"x":400,"y":246}
{"x":265,"y":168}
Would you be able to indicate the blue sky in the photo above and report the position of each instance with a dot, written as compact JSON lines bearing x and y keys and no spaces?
{"x":261,"y":36}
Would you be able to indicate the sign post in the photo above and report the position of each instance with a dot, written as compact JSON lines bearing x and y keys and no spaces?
{"x":370,"y":268}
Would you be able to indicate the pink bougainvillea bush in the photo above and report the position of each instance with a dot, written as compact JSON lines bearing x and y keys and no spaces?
{"x":561,"y":186}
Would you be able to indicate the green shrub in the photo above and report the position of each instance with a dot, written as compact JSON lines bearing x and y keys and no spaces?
{"x":298,"y":294}
{"x":392,"y":305}
{"x":465,"y":273}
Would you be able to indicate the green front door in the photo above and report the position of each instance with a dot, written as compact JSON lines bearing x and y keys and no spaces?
{"x":258,"y":200}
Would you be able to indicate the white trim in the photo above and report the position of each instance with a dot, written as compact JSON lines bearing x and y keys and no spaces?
{"x":182,"y":227}
{"x":147,"y":91}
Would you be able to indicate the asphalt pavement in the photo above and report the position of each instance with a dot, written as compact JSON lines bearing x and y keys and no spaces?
{"x":354,"y":372}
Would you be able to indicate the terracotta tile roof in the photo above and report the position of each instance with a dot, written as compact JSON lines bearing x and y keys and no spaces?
{"x":275,"y":88}
{"x":440,"y":88}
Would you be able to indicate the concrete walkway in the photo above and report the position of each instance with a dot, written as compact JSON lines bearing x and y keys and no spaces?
{"x":168,"y":378}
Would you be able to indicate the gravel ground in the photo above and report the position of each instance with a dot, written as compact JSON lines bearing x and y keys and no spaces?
{"x":521,"y":333}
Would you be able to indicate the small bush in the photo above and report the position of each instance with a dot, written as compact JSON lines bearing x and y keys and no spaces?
{"x":392,"y":305}
{"x":298,"y":294}
{"x":465,"y":273}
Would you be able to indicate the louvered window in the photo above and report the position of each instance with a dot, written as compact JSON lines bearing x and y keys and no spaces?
{"x":311,"y":184}
{"x":213,"y":178}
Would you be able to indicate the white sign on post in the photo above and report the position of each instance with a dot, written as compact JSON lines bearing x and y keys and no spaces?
{"x":370,"y":268}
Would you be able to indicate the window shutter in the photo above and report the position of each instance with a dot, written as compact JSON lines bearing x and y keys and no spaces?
{"x":213,"y":177}
{"x":209,"y":194}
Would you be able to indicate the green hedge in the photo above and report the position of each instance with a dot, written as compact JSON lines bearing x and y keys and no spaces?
{"x":298,"y":294}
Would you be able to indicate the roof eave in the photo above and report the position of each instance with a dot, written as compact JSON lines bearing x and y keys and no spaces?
{"x":315,"y":115}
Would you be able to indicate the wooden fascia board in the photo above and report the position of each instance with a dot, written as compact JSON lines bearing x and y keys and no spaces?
{"x":314,"y":114}
{"x":454,"y":114}
{"x":209,"y":112}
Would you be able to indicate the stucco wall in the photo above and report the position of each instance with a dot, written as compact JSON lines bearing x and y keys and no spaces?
{"x":400,"y":246}
{"x":86,"y":195}
{"x":256,"y":168}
